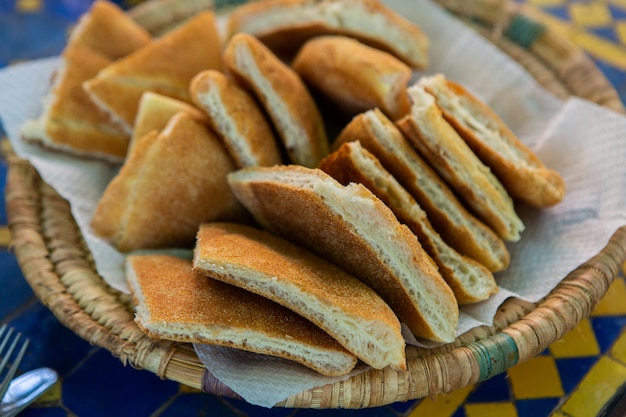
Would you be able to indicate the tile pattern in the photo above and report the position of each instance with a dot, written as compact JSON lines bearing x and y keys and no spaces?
{"x":596,"y":26}
{"x":575,"y":377}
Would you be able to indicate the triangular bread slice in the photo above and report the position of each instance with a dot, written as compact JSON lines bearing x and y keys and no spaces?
{"x":155,"y":110}
{"x":165,"y":66}
{"x":352,"y":228}
{"x":335,"y":301}
{"x":171,"y":183}
{"x":237,"y":118}
{"x":283,"y":95}
{"x":521,"y":172}
{"x":458,"y":227}
{"x":469,"y":280}
{"x":455,"y":162}
{"x":286,"y":24}
{"x":108,"y":30}
{"x":173,"y":302}
{"x":70,"y":121}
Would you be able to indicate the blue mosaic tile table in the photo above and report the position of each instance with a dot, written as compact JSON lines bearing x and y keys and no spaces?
{"x":574,"y":377}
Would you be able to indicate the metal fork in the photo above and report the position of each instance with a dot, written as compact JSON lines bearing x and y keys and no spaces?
{"x":8,"y":367}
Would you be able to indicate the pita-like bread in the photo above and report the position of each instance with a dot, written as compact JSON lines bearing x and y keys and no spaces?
{"x":70,"y":121}
{"x":155,"y":110}
{"x":352,"y":228}
{"x":108,"y":30}
{"x":335,"y":301}
{"x":165,"y":66}
{"x":173,"y":302}
{"x":469,"y":280}
{"x":237,"y":118}
{"x":355,"y":76}
{"x":287,"y":24}
{"x":450,"y":156}
{"x":459,"y":228}
{"x":171,"y":183}
{"x":521,"y":172}
{"x":283,"y":95}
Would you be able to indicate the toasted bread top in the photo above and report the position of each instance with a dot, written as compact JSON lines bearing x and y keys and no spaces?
{"x":105,"y":28}
{"x":458,"y":165}
{"x":286,"y":24}
{"x":176,"y":303}
{"x":165,"y":66}
{"x":519,"y":169}
{"x":328,"y":296}
{"x":460,"y":228}
{"x":171,"y":183}
{"x":283,"y":95}
{"x":351,"y":227}
{"x":237,"y":118}
{"x":155,"y":110}
{"x":356,"y":76}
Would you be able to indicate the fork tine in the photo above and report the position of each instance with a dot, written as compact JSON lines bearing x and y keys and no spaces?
{"x":5,"y":355}
{"x":5,"y":339}
{"x":4,"y":385}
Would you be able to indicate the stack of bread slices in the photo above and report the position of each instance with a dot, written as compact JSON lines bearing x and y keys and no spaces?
{"x":306,"y":246}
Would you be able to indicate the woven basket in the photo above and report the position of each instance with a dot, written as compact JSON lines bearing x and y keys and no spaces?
{"x":58,"y":266}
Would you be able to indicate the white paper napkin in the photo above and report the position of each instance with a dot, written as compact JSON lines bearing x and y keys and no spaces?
{"x":579,"y":139}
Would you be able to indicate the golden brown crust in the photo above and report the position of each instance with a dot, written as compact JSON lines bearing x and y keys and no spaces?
{"x":284,"y":25}
{"x":71,"y":122}
{"x":354,"y":75}
{"x":310,"y":208}
{"x":111,"y":207}
{"x":522,"y":173}
{"x":168,"y":186}
{"x":459,"y":228}
{"x":105,"y":28}
{"x":176,"y":303}
{"x":165,"y":66}
{"x":455,"y":162}
{"x":237,"y":118}
{"x":283,"y":95}
{"x":155,"y":110}
{"x":279,"y":270}
{"x":469,"y":280}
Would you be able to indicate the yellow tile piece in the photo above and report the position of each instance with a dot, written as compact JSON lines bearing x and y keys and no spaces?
{"x":620,"y":30}
{"x":444,"y":405}
{"x":536,"y":378}
{"x":602,"y":49}
{"x":547,"y":3}
{"x":28,"y":6}
{"x":596,"y":389}
{"x":621,"y":3}
{"x":618,"y":351}
{"x":52,"y":395}
{"x":614,"y":301}
{"x":187,"y":389}
{"x":5,"y":237}
{"x":491,"y":410}
{"x":595,"y":45}
{"x":581,"y":341}
{"x":590,"y":14}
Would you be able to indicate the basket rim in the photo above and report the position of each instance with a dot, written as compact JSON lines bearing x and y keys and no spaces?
{"x":58,"y":267}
